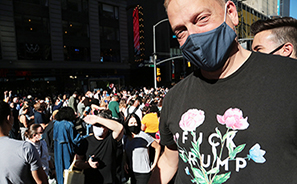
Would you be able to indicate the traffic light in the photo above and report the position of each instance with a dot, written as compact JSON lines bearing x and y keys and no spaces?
{"x":158,"y":71}
{"x":189,"y":64}
{"x":158,"y":79}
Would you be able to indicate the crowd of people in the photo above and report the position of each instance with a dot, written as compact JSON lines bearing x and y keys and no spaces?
{"x":110,"y":134}
{"x":233,"y":120}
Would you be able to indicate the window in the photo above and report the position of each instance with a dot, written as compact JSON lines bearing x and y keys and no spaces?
{"x":110,"y":55}
{"x":0,"y":52}
{"x":72,"y":53}
{"x":109,"y":11}
{"x":75,"y":29}
{"x":76,"y":41}
{"x":39,"y":2}
{"x":75,"y":24}
{"x":109,"y":33}
{"x":75,"y":5}
{"x":33,"y":38}
{"x":33,"y":51}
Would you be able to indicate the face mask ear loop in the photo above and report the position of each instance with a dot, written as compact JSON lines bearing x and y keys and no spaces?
{"x":225,"y":12}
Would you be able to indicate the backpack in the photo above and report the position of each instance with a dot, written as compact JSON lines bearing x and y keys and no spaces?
{"x":133,"y":110}
{"x":48,"y":136}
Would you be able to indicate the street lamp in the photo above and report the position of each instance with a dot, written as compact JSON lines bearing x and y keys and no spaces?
{"x":154,"y":50}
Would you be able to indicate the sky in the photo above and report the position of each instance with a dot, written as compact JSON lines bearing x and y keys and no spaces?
{"x":293,"y":5}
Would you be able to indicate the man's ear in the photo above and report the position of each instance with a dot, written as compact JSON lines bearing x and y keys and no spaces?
{"x":8,"y":119}
{"x":287,"y":50}
{"x":232,"y":12}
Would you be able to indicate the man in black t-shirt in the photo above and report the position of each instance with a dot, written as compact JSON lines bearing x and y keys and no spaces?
{"x":234,"y":120}
{"x":97,"y":153}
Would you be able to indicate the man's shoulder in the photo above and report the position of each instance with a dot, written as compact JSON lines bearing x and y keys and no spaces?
{"x":65,"y":122}
{"x":62,"y":126}
{"x":36,"y":113}
{"x":142,"y":134}
{"x":17,"y":145}
{"x":10,"y":141}
{"x":180,"y":87}
{"x":146,"y":136}
{"x":89,"y":138}
{"x":275,"y":66}
{"x":269,"y":59}
{"x":113,"y":103}
{"x":149,"y":116}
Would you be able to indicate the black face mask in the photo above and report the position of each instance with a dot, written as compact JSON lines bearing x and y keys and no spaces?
{"x":277,"y":49}
{"x":134,"y":129}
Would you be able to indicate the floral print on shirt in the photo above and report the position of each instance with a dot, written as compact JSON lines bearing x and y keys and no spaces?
{"x":233,"y":120}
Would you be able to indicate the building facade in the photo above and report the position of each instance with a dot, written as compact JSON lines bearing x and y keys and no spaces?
{"x":50,"y":46}
{"x":266,"y":7}
{"x":62,"y":45}
{"x":283,"y":8}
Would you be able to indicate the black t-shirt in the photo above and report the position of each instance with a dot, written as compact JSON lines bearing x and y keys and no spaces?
{"x":240,"y":129}
{"x":105,"y":153}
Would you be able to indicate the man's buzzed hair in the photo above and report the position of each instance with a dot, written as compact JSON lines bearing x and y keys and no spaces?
{"x":166,"y":3}
{"x":284,"y":29}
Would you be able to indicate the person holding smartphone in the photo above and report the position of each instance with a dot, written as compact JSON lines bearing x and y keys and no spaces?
{"x":96,"y":154}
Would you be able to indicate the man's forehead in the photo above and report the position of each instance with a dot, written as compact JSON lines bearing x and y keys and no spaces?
{"x":181,"y":11}
{"x":264,"y":40}
{"x":181,"y":2}
{"x":265,"y":35}
{"x":176,"y":7}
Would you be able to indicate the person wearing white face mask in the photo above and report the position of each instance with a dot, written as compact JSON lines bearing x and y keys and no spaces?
{"x":97,"y":153}
{"x":34,"y":135}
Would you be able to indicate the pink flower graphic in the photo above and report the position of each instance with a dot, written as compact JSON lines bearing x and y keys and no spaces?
{"x":191,"y":119}
{"x":175,"y":137}
{"x":232,"y":118}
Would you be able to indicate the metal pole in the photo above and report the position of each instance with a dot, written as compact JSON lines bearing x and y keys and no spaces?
{"x":154,"y":51}
{"x":154,"y":57}
{"x":168,"y":59}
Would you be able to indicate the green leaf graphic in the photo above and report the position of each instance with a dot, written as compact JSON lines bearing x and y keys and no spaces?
{"x":213,"y":171}
{"x":238,"y":149}
{"x":230,"y":149}
{"x":194,"y":180}
{"x":219,"y":133}
{"x":221,"y":178}
{"x":195,"y":153}
{"x":229,"y":134}
{"x":183,"y":157}
{"x":196,"y":147}
{"x":199,"y":176}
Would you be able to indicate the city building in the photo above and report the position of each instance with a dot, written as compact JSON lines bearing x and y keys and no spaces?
{"x":266,"y":7}
{"x":283,"y":8}
{"x":50,"y":46}
{"x":250,"y":11}
{"x":152,"y":16}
